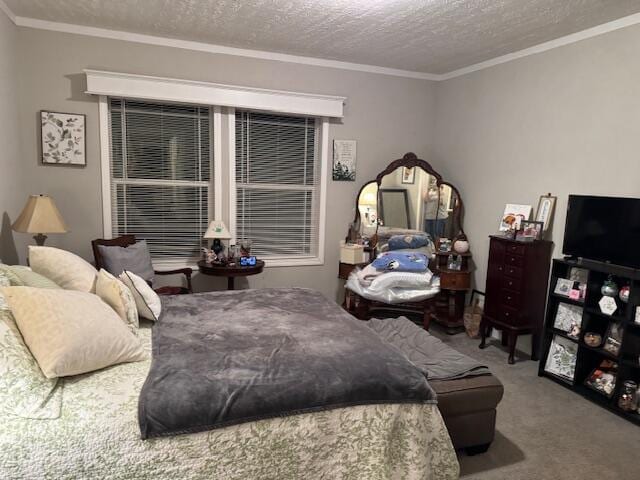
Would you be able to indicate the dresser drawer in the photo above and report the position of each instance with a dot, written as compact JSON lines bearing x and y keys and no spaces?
{"x":511,"y":283}
{"x":508,"y":315}
{"x":511,"y":299}
{"x":513,"y":260}
{"x":455,"y":280}
{"x":496,"y":252}
{"x":512,"y":271}
{"x":515,"y":249}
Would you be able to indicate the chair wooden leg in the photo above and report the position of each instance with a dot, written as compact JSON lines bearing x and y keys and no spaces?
{"x":483,"y":333}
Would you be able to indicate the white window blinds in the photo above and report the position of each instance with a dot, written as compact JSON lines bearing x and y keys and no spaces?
{"x":161,"y":175}
{"x":277,"y":175}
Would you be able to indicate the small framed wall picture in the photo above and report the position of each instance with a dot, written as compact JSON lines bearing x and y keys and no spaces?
{"x":408,"y":175}
{"x":544,"y":212}
{"x":63,"y":138}
{"x":529,"y":231}
{"x":344,"y":160}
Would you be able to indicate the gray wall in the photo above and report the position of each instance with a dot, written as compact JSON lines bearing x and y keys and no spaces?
{"x":564,"y":121}
{"x":12,"y":197}
{"x":388,"y":116}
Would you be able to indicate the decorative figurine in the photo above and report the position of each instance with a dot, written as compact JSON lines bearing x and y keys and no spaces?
{"x":609,"y":288}
{"x":624,"y":293}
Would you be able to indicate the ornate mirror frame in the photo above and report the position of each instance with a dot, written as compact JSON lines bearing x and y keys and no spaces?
{"x":411,"y":160}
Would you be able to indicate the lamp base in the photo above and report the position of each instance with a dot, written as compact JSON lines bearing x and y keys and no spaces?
{"x":217,"y":246}
{"x":40,"y":239}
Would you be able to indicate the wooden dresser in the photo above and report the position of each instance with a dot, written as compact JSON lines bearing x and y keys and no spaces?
{"x":517,"y":278}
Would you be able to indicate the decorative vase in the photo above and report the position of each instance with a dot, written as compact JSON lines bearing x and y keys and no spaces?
{"x":609,"y":288}
{"x":461,"y":244}
{"x":624,"y":293}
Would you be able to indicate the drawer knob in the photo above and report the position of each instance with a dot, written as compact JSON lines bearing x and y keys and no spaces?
{"x":508,"y":298}
{"x":499,"y":269}
{"x":506,"y":314}
{"x":510,"y":283}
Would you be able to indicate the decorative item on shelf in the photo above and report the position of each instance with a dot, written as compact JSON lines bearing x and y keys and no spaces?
{"x":63,"y":138}
{"x":562,"y":356}
{"x":608,"y":305}
{"x":208,"y":255}
{"x":624,"y":294}
{"x":513,"y":216}
{"x":461,"y":244}
{"x":544,"y":212}
{"x":609,"y":287}
{"x":248,"y":261}
{"x":593,"y":339}
{"x":563,"y":287}
{"x":344,"y":160}
{"x":217,"y":232}
{"x":529,"y":231}
{"x":40,"y":215}
{"x":580,"y":275}
{"x":569,"y":319}
{"x":245,"y":247}
{"x":603,"y":379}
{"x":628,"y":400}
{"x":613,"y":338}
{"x":231,"y":255}
{"x":444,"y":245}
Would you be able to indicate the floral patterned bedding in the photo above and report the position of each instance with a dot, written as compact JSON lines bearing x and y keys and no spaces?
{"x":97,"y":436}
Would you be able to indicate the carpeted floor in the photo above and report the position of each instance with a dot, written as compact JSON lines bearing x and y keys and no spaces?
{"x":544,"y":431}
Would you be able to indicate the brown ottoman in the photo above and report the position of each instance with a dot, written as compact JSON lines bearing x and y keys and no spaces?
{"x":468,"y":408}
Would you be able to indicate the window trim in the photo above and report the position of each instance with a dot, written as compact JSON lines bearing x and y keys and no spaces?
{"x":322,"y":126}
{"x":322,"y":129}
{"x":105,"y":171}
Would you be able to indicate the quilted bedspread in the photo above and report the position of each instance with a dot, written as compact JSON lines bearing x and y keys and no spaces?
{"x":97,"y":437}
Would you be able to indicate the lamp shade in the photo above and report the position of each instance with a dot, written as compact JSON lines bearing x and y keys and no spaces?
{"x":217,"y":229}
{"x":40,"y":215}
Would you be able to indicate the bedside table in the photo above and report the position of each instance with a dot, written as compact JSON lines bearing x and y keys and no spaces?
{"x":454,"y":285}
{"x":230,"y":271}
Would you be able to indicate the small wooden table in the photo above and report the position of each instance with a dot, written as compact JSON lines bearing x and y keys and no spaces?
{"x":230,"y":271}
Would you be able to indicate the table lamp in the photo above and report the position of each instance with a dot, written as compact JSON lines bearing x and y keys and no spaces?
{"x":40,"y":215}
{"x":217,"y":231}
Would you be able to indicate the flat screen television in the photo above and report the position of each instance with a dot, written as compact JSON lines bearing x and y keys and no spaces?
{"x":605,"y":229}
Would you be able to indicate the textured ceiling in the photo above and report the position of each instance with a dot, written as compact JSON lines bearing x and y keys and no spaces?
{"x":433,"y":36}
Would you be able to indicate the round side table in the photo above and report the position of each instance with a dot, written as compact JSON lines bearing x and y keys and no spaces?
{"x":230,"y":271}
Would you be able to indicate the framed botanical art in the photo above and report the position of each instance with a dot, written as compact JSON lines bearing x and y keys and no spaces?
{"x":344,"y":160}
{"x":63,"y":138}
{"x":408,"y":175}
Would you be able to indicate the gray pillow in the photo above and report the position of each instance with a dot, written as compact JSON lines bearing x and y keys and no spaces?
{"x":135,"y":258}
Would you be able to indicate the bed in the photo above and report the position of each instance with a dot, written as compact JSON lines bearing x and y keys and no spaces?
{"x":97,"y":435}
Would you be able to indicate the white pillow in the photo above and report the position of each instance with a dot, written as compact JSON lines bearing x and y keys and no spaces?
{"x":147,"y":301}
{"x":65,"y":268}
{"x":118,"y":296}
{"x":71,"y":332}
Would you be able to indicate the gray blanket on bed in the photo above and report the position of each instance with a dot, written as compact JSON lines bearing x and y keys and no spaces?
{"x":434,"y":358}
{"x":224,"y":358}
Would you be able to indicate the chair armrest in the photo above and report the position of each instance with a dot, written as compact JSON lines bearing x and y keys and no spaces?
{"x":187,"y":272}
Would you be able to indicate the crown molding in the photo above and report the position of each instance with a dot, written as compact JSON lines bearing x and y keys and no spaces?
{"x":550,"y":45}
{"x":7,"y":11}
{"x":211,"y":48}
{"x":314,"y":61}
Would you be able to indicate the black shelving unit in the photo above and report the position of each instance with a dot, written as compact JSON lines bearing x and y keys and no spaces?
{"x":593,"y":320}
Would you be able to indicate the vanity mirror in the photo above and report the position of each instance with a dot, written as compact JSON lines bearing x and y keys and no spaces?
{"x":409,"y":196}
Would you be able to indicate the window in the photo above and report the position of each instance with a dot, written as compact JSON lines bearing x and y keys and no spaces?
{"x":161,"y":175}
{"x":277,"y":185}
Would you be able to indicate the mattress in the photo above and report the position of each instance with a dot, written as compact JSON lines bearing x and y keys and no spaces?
{"x":97,"y":436}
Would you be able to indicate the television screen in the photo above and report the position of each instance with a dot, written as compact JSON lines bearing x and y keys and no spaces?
{"x":606,"y":229}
